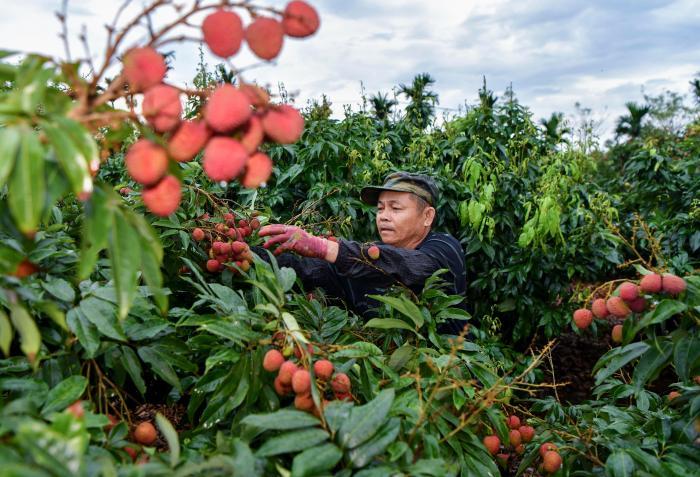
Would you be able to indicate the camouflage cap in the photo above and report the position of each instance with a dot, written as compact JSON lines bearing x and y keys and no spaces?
{"x":418,"y":184}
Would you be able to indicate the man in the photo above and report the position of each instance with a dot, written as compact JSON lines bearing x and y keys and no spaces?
{"x":409,"y":251}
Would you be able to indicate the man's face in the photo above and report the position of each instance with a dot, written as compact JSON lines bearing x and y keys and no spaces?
{"x":400,"y":222}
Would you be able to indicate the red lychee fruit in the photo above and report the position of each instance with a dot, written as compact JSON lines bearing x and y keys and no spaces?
{"x":252,"y":134}
{"x":546,"y":447}
{"x":527,"y":433}
{"x":520,"y":449}
{"x":300,"y":19}
{"x":188,"y":140}
{"x":265,"y":37}
{"x":132,"y":452}
{"x":282,"y":389}
{"x":227,"y":108}
{"x":513,"y":422}
{"x":113,"y":421}
{"x":257,"y":96}
{"x":272,"y":361}
{"x":673,"y":395}
{"x":255,"y":224}
{"x":257,"y":171}
{"x":638,"y":304}
{"x":340,"y":383}
{"x":651,"y":283}
{"x":223,"y":33}
{"x":24,"y":269}
{"x":343,"y":396}
{"x":629,"y":291}
{"x":283,"y":124}
{"x":76,"y":409}
{"x":492,"y":444}
{"x":616,"y":334}
{"x":161,"y":107}
{"x":238,"y":247}
{"x":551,"y":461}
{"x":672,"y":284}
{"x":145,"y":433}
{"x":146,"y":162}
{"x":301,"y":381}
{"x":502,"y":459}
{"x":617,"y":307}
{"x":599,"y":309}
{"x":583,"y":318}
{"x":163,"y":198}
{"x":373,"y":252}
{"x":143,"y":67}
{"x":198,"y":234}
{"x":303,"y":402}
{"x":224,"y":158}
{"x":323,"y":369}
{"x":286,"y":372}
{"x":213,"y":265}
{"x":515,"y":437}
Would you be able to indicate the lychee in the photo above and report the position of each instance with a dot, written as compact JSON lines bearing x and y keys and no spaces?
{"x":629,"y":291}
{"x":672,"y":284}
{"x":546,"y":447}
{"x":213,"y":265}
{"x":146,"y":162}
{"x":265,"y":37}
{"x":303,"y":402}
{"x":223,"y":33}
{"x":373,"y":252}
{"x":300,"y":19}
{"x":145,"y":433}
{"x":198,"y":234}
{"x":502,"y":459}
{"x":650,"y":283}
{"x":515,"y":437}
{"x":551,"y":461}
{"x":24,"y":269}
{"x":224,"y":158}
{"x":272,"y":361}
{"x":323,"y":369}
{"x":599,"y":309}
{"x":255,"y":224}
{"x":283,"y":124}
{"x":163,"y":198}
{"x":76,"y":409}
{"x":188,"y":140}
{"x":281,"y":389}
{"x":257,"y":171}
{"x":287,"y":370}
{"x":227,"y":108}
{"x":143,"y":67}
{"x":673,"y":395}
{"x":340,"y":383}
{"x":616,"y":334}
{"x":638,"y":304}
{"x":252,"y":134}
{"x":161,"y":107}
{"x":513,"y":422}
{"x":257,"y":96}
{"x":301,"y":382}
{"x":492,"y":444}
{"x":583,"y":318}
{"x":527,"y":433}
{"x":617,"y":307}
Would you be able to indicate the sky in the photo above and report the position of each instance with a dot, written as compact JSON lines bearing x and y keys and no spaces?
{"x":555,"y":53}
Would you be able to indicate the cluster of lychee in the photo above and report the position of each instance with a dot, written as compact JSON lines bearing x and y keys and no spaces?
{"x":293,"y":378}
{"x":236,"y":119}
{"x":630,"y":299}
{"x":225,"y":243}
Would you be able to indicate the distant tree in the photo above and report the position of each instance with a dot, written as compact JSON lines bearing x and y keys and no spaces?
{"x":555,"y":129}
{"x":422,"y":101}
{"x":695,"y":86}
{"x":631,"y":124}
{"x":487,"y":100}
{"x":319,"y":110}
{"x":382,"y":105}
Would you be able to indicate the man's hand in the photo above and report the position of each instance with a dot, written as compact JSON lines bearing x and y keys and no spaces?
{"x":294,"y":239}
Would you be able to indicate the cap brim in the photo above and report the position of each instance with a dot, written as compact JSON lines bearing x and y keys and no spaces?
{"x":370,"y":194}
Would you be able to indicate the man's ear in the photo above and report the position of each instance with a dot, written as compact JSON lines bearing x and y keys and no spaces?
{"x":429,"y":215}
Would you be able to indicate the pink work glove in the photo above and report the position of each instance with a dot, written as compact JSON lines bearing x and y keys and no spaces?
{"x":294,"y":239}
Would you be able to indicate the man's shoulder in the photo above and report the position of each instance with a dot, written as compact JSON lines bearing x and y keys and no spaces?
{"x":439,"y":239}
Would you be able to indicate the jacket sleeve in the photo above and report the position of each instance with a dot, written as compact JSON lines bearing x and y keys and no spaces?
{"x":313,"y":272}
{"x":409,"y":267}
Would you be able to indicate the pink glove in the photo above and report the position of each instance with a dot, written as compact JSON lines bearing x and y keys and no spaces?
{"x":294,"y":239}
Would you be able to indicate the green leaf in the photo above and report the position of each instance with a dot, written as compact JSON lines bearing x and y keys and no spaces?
{"x":281,"y":420}
{"x":27,"y":186}
{"x":101,"y":314}
{"x":403,"y":305}
{"x":663,"y":311}
{"x":365,"y":420}
{"x":171,"y":437}
{"x":5,"y":333}
{"x":389,"y":324}
{"x":27,"y":330}
{"x":70,"y":158}
{"x":9,"y":145}
{"x":151,"y":258}
{"x":651,"y":363}
{"x":160,"y":365}
{"x":316,"y":460}
{"x":60,"y":288}
{"x":133,"y":366}
{"x":613,"y":360}
{"x":125,"y":257}
{"x":363,"y":454}
{"x":64,"y":393}
{"x":86,"y":332}
{"x":685,"y":354}
{"x":83,"y":140}
{"x":97,"y":224}
{"x":619,"y":464}
{"x":292,"y":442}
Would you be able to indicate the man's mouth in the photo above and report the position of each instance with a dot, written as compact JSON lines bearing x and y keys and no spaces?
{"x":385,"y":229}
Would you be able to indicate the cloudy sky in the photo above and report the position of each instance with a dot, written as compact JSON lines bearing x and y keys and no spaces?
{"x":555,"y":53}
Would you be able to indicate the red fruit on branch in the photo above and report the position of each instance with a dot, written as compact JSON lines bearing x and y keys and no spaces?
{"x":373,"y":252}
{"x":265,"y":37}
{"x":551,"y":461}
{"x":143,"y":68}
{"x":527,"y":433}
{"x":286,"y":372}
{"x":257,"y":171}
{"x":599,"y":309}
{"x":223,"y":33}
{"x":629,"y":291}
{"x":301,"y":381}
{"x":280,"y":388}
{"x":164,"y":198}
{"x":252,"y":134}
{"x":76,"y":409}
{"x":650,"y":283}
{"x":492,"y":444}
{"x":513,"y":422}
{"x":145,"y":433}
{"x":515,"y":437}
{"x":227,"y":109}
{"x":303,"y":402}
{"x":672,"y":284}
{"x":224,"y":158}
{"x":616,"y":334}
{"x":146,"y":162}
{"x":257,"y":96}
{"x":341,"y":383}
{"x":300,"y":19}
{"x":24,"y":269}
{"x":213,"y":265}
{"x":617,"y":307}
{"x":273,"y":360}
{"x":583,"y":318}
{"x":283,"y":124}
{"x":673,"y":395}
{"x":546,"y":447}
{"x":638,"y":304}
{"x":188,"y":140}
{"x":161,"y":107}
{"x":255,"y":224}
{"x":323,"y":369}
{"x":198,"y":234}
